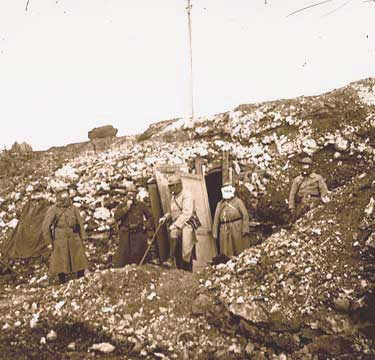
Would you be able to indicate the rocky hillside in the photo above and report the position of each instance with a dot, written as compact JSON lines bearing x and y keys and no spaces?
{"x":305,"y":292}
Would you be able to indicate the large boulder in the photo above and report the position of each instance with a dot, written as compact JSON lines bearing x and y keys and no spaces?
{"x":102,"y":132}
{"x":21,"y":148}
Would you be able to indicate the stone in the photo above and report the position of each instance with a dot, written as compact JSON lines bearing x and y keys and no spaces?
{"x":21,"y":148}
{"x":221,"y":355}
{"x":51,"y":335}
{"x":103,"y":347}
{"x":259,"y":355}
{"x":102,"y":132}
{"x":251,"y":331}
{"x":342,"y":303}
{"x":202,"y":304}
{"x":278,"y":322}
{"x":249,"y":311}
{"x":330,"y":345}
{"x":286,"y":341}
{"x":249,"y":349}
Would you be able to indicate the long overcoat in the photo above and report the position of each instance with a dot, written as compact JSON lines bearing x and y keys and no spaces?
{"x":231,"y":224}
{"x":136,"y":225}
{"x":68,"y":252}
{"x":182,"y":208}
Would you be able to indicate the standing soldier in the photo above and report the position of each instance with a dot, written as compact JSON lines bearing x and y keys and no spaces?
{"x":136,"y":227}
{"x":63,"y":227}
{"x":231,"y":223}
{"x":308,"y":190}
{"x":182,"y":233}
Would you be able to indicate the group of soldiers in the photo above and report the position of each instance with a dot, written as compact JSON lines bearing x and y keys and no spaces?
{"x":63,"y":225}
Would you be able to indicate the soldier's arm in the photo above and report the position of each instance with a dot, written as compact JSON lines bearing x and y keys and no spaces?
{"x":121,"y":211}
{"x":48,"y":219}
{"x":215,"y":224}
{"x":245,"y":216}
{"x":149,"y":219}
{"x":323,"y":189}
{"x":187,"y":211}
{"x":82,"y":230}
{"x":293,"y":193}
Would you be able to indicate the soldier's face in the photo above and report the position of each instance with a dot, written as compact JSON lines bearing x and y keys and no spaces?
{"x":306,"y":169}
{"x":175,"y":189}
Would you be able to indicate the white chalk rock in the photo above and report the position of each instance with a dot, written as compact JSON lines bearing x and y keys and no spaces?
{"x":103,"y":347}
{"x":102,"y":213}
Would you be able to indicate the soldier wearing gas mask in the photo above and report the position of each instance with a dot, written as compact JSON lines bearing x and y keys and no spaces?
{"x":231,"y":223}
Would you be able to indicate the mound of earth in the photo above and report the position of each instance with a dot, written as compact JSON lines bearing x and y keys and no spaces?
{"x":305,"y":292}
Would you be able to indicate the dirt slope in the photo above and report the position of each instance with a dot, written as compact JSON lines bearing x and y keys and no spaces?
{"x":305,"y":292}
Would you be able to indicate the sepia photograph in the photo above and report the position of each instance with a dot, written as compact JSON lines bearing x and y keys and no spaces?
{"x":187,"y":179}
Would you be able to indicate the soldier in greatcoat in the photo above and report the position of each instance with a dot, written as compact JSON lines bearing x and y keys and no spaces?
{"x":63,"y":227}
{"x":136,"y":228}
{"x":308,"y":190}
{"x":231,"y":223}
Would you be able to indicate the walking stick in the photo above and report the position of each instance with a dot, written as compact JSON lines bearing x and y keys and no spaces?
{"x":152,"y":240}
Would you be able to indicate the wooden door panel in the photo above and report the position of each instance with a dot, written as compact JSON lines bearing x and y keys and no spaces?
{"x":206,"y":248}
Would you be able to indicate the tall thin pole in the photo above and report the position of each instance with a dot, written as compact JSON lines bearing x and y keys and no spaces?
{"x":188,"y":8}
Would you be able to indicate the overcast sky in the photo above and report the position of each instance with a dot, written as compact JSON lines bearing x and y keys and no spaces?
{"x":67,"y":66}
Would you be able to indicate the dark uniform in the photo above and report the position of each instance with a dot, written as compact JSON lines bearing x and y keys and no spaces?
{"x":136,"y":226}
{"x":308,"y":190}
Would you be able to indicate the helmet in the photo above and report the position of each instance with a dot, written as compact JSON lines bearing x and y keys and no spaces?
{"x":174,"y":179}
{"x":307,"y":160}
{"x":227,"y":183}
{"x":132,"y":187}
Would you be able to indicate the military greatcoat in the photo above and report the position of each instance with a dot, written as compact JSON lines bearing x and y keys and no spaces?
{"x":231,"y":224}
{"x":68,"y":253}
{"x":182,"y":208}
{"x":136,"y":225}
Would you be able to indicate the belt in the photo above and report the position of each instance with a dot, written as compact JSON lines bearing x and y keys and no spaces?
{"x":230,"y":221}
{"x":137,"y":229}
{"x":311,"y":196}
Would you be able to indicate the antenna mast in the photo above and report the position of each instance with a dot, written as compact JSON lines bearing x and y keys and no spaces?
{"x":188,"y":8}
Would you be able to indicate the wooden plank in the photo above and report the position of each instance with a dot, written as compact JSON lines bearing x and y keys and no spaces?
{"x":165,"y":198}
{"x":206,"y":248}
{"x":225,"y":167}
{"x":198,"y":162}
{"x":157,"y":212}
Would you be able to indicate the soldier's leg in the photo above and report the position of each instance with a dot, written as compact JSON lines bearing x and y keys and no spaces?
{"x":176,"y":246}
{"x":178,"y":253}
{"x":62,"y":278}
{"x":172,"y":246}
{"x":139,"y":247}
{"x":123,"y":249}
{"x":80,"y":273}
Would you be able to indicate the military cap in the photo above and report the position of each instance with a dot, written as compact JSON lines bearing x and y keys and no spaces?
{"x":307,"y":160}
{"x":131,"y":187}
{"x":227,"y":183}
{"x":174,"y":179}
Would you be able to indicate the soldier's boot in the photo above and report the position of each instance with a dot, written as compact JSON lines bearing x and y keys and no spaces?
{"x":170,"y":263}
